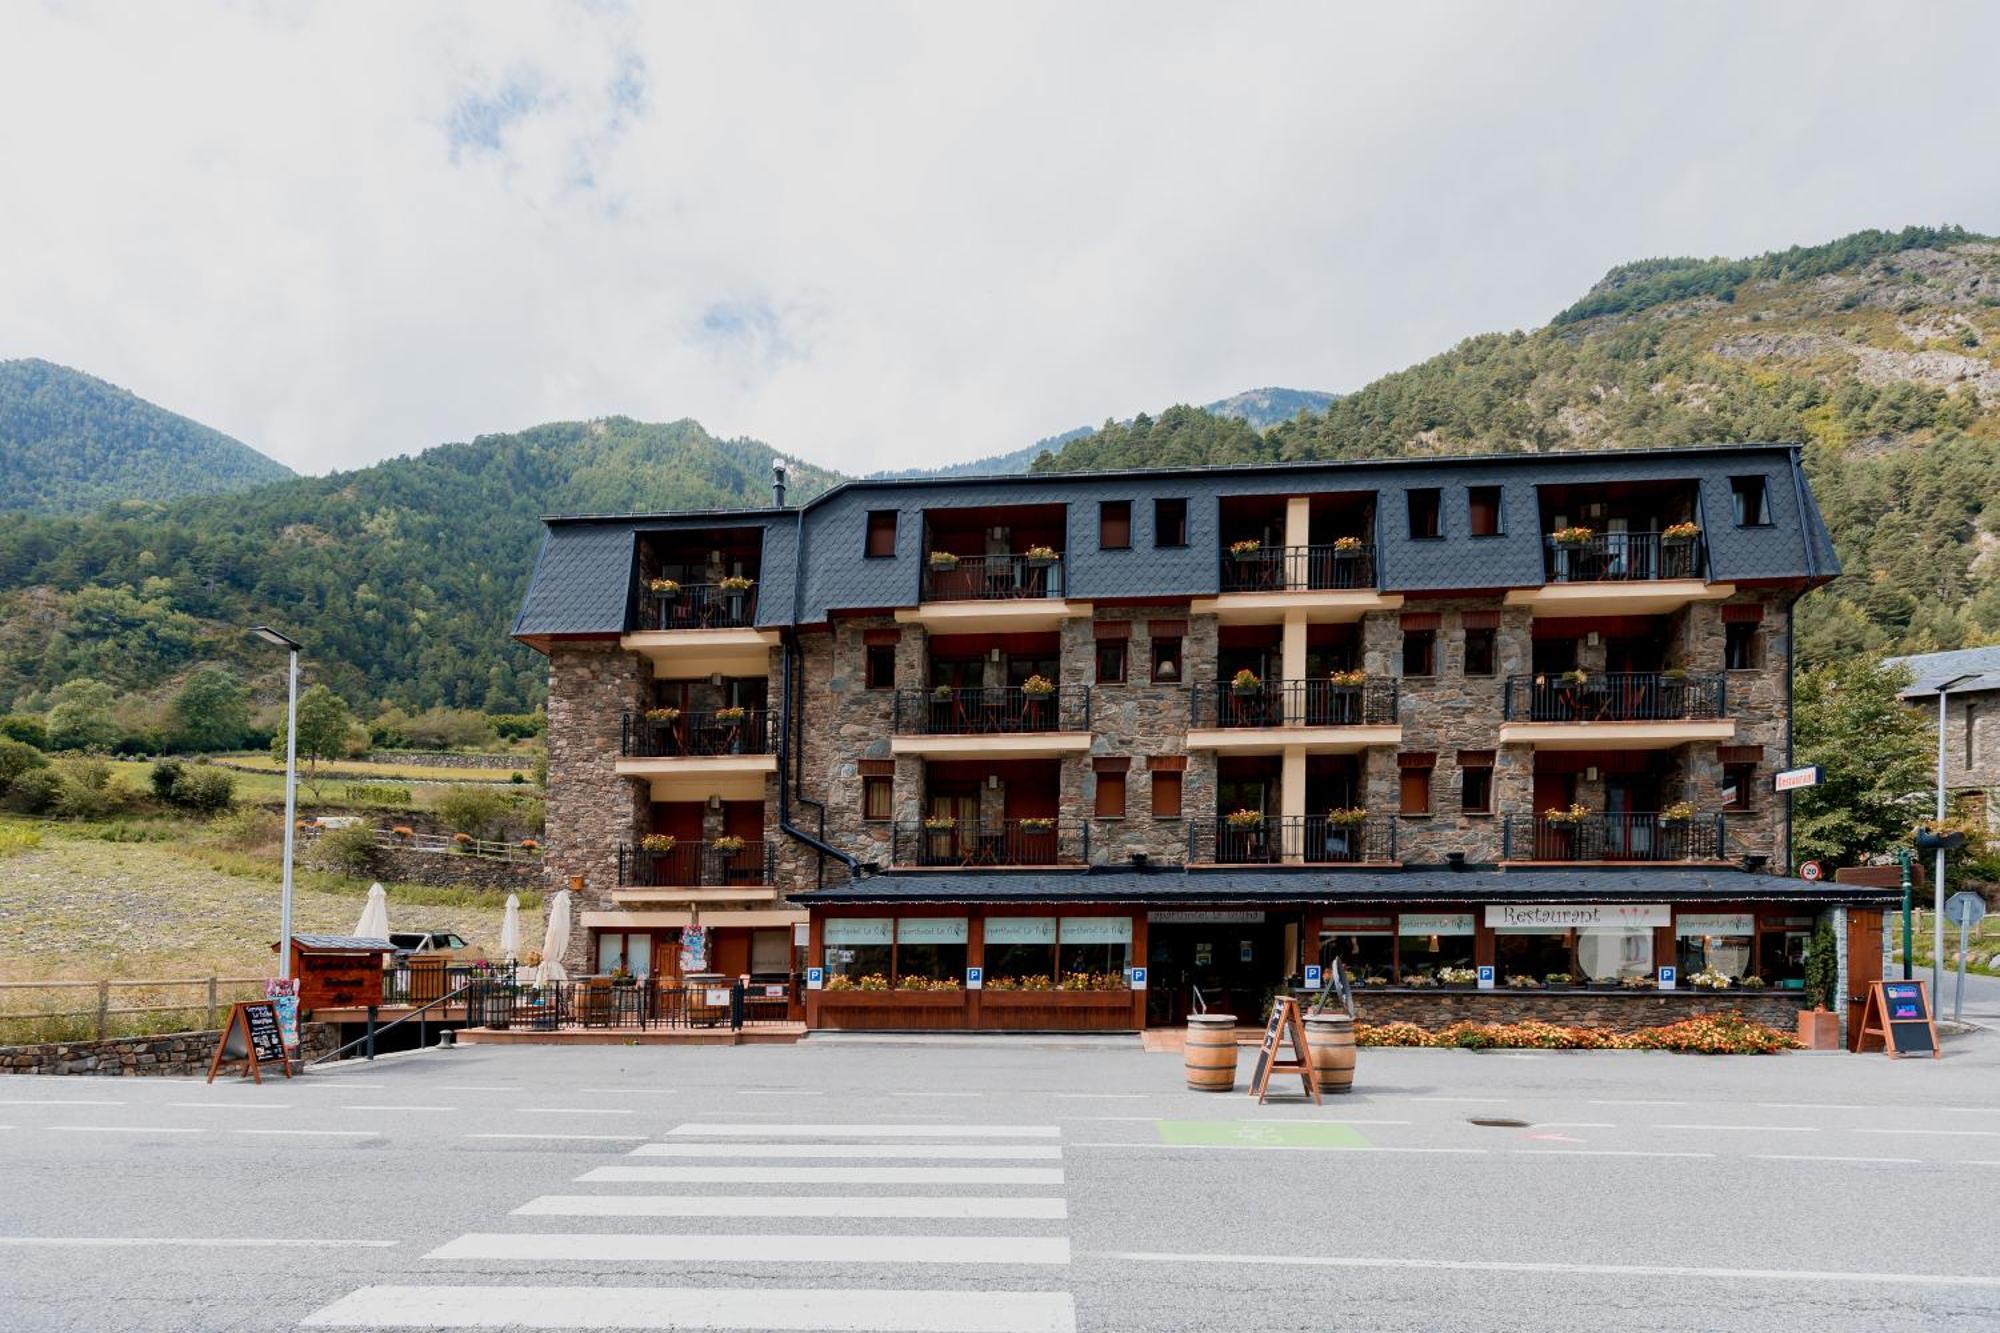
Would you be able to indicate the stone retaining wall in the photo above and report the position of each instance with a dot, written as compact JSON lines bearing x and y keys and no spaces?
{"x":517,"y":763}
{"x":407,"y":865}
{"x":1617,"y":1011}
{"x":167,"y":1053}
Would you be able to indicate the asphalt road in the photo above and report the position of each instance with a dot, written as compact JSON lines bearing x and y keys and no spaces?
{"x":1004,"y":1185}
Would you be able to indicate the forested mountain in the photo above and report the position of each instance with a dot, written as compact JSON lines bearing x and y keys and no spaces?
{"x":70,"y":443}
{"x":402,"y":578}
{"x":1877,"y":351}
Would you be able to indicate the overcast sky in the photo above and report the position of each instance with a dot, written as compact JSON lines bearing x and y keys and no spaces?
{"x":880,"y":236}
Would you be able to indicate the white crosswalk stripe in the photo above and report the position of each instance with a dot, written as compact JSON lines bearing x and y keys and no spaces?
{"x":752,"y":1163}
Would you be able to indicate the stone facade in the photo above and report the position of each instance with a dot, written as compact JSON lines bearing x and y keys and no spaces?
{"x":175,"y":1053}
{"x":1617,"y":1011}
{"x":591,"y":809}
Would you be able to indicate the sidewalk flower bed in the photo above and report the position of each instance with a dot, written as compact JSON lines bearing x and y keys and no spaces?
{"x":1705,"y":1034}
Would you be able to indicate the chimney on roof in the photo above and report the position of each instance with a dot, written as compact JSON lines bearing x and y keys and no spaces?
{"x":778,"y":485}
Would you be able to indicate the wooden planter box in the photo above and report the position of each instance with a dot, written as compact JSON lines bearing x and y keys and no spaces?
{"x":1819,"y":1029}
{"x":1056,"y":1010}
{"x":890,"y":1009}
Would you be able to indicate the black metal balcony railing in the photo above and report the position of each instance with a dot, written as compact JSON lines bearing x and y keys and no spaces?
{"x":1602,"y":837}
{"x":1616,"y":557}
{"x":721,"y":731}
{"x":1301,"y":703}
{"x":1307,"y":839}
{"x":637,"y":1002}
{"x":698,"y":606}
{"x":1293,"y":568}
{"x":995,"y":710}
{"x":1010,"y":842}
{"x":991,"y":578}
{"x":1615,"y":696}
{"x":696,"y":863}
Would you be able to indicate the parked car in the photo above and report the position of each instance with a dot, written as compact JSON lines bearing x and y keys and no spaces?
{"x":445,"y":944}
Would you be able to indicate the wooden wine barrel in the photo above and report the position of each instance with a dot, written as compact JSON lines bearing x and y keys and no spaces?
{"x":1210,"y":1052}
{"x":1331,"y":1037}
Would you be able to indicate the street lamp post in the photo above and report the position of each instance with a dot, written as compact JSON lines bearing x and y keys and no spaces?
{"x":271,"y":636}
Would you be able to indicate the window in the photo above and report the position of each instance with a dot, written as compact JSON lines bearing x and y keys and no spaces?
{"x":1484,"y":502}
{"x":1166,"y":795}
{"x":1739,"y":647}
{"x":877,"y":799}
{"x":1170,"y":526}
{"x":1534,"y":952}
{"x":931,"y":947}
{"x":1096,"y":945}
{"x":1426,"y":513}
{"x":1166,"y":661}
{"x":770,"y":952}
{"x":1429,"y":941}
{"x":1018,"y":947}
{"x":1110,"y":793}
{"x":1111,"y":662}
{"x":1415,"y":791}
{"x":1723,"y":941}
{"x":1613,"y":953}
{"x":1114,"y":525}
{"x":881,"y":534}
{"x":881,"y":666}
{"x":1736,"y":783}
{"x":1364,"y":946}
{"x":1747,"y":496}
{"x":1480,"y":651}
{"x":858,"y":946}
{"x":1475,"y":781}
{"x":1420,"y":652}
{"x":617,"y":951}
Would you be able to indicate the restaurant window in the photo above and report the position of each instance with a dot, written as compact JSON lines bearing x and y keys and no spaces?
{"x":1739,"y":647}
{"x":1415,"y":789}
{"x":1781,"y":951}
{"x":877,"y":799}
{"x":1110,"y":793}
{"x":1430,"y":941}
{"x":1535,"y":953}
{"x":1099,"y":947}
{"x":1426,"y":513}
{"x":1484,"y":502}
{"x":770,"y":952}
{"x":1715,"y":941}
{"x":1111,"y":661}
{"x":627,"y":951}
{"x":1114,"y":525}
{"x":1166,"y":661}
{"x":858,"y":946}
{"x":1475,"y":781}
{"x":1166,"y":795}
{"x":881,"y":534}
{"x":1746,"y":496}
{"x":1364,"y":946}
{"x":881,"y":666}
{"x":1736,"y":783}
{"x":1170,"y":526}
{"x":1613,"y":953}
{"x":1480,"y":651}
{"x":1420,"y":652}
{"x":931,"y":948}
{"x":1020,"y":947}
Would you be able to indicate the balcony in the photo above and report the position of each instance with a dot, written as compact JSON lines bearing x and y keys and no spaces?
{"x":994,"y":594}
{"x":725,"y":605}
{"x":1343,"y":565}
{"x":715,"y":871}
{"x":1606,"y":837}
{"x":1297,"y":840}
{"x":1621,"y":573}
{"x":1320,"y":715}
{"x":1637,"y":709}
{"x":992,"y":721}
{"x":694,"y":755}
{"x":701,"y":629}
{"x":974,"y":845}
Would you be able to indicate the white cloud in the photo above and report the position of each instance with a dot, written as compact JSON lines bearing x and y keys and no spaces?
{"x":881,"y":235}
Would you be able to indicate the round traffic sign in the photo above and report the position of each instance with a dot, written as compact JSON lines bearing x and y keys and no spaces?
{"x":1810,"y":870}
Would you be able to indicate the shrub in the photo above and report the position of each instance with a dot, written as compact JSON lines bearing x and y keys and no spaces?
{"x":25,"y":728}
{"x":519,"y":726}
{"x":1705,"y":1034}
{"x":205,"y":790}
{"x":350,"y":850}
{"x":14,"y":839}
{"x":16,"y":758}
{"x":378,"y":793}
{"x":34,"y":792}
{"x":166,"y":775}
{"x":248,"y":829}
{"x":87,"y":791}
{"x":478,"y":811}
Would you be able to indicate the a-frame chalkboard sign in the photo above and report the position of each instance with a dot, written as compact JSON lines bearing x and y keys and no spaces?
{"x":1898,"y":1016}
{"x":1285,"y":1020}
{"x":251,"y":1035}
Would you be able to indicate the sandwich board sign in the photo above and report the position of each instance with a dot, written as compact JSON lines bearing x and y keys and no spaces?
{"x":1898,"y":1016}
{"x":1285,"y":1021}
{"x":253,"y":1036}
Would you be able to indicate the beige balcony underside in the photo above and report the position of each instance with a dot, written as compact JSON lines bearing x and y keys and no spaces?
{"x":679,"y":654}
{"x":1653,"y":597}
{"x":1019,"y":615}
{"x":779,"y":916}
{"x":733,"y":777}
{"x":1275,"y":740}
{"x":1615,"y":735}
{"x":666,"y":896}
{"x":1319,"y":606}
{"x":1012,"y":745}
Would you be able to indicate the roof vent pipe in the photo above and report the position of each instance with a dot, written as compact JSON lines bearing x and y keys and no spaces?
{"x":778,"y":485}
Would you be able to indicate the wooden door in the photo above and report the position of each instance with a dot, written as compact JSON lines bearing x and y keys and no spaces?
{"x":1864,"y":967}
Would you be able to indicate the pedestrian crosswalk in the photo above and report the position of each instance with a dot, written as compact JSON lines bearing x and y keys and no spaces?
{"x":831,"y":1195}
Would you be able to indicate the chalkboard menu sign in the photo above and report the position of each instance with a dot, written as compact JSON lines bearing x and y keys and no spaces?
{"x":252,"y":1036}
{"x":1898,"y":1015}
{"x":1284,"y":1019}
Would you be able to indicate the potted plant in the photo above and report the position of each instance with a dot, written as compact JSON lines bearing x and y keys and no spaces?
{"x":663,"y":716}
{"x":659,"y":844}
{"x":1709,"y":979}
{"x":1674,"y":674}
{"x":1681,"y":532}
{"x":1038,"y":687}
{"x":1571,"y":536}
{"x":727,"y":845}
{"x":1680,"y":812}
{"x":1576,"y":676}
{"x":940,"y":823}
{"x":1347,"y":547}
{"x":1245,"y":682}
{"x":733,"y":713}
{"x":1639,"y":981}
{"x":943,"y":560}
{"x":1753,"y":982}
{"x":1572,"y":815}
{"x":1348,"y":678}
{"x":404,"y":831}
{"x":529,"y":845}
{"x":840,"y":981}
{"x":1459,"y":976}
{"x":736,"y":583}
{"x":664,"y":588}
{"x":1515,"y":981}
{"x":1244,"y":819}
{"x":1040,"y":557}
{"x":1557,"y":980}
{"x":1350,"y":816}
{"x":874,"y":981}
{"x":1246,"y":549}
{"x":1038,"y":824}
{"x":942,"y":693}
{"x":1419,"y":980}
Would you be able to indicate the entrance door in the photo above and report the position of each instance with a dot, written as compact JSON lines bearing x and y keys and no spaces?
{"x":1627,"y":835}
{"x":1235,"y":966}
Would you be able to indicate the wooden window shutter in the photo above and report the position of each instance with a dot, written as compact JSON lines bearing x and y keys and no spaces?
{"x":1167,"y":629}
{"x":1475,"y":758}
{"x":1421,"y":620}
{"x":1416,"y":759}
{"x":1167,"y":763}
{"x":1167,"y":787}
{"x":1739,"y":754}
{"x":878,"y":768}
{"x":1415,"y":791}
{"x":1480,"y":619}
{"x":876,"y":638}
{"x":1112,"y":763}
{"x":1108,"y":630}
{"x":1110,"y":803}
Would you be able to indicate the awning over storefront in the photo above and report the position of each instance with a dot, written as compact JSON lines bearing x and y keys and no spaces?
{"x":1308,"y":887}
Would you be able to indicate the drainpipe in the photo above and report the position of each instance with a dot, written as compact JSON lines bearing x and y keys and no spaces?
{"x":788,"y":641}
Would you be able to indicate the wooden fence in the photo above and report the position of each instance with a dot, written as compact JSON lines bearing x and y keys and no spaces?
{"x":213,"y":996}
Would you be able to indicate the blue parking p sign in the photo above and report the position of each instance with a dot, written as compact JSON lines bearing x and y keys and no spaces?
{"x":1314,"y":974}
{"x":1138,"y":977}
{"x":1486,"y":976}
{"x":815,"y":978}
{"x":1668,"y":976}
{"x":975,"y":978}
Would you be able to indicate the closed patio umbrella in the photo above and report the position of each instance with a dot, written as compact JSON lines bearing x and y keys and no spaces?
{"x":510,"y":928}
{"x":556,"y":942}
{"x":374,"y":922}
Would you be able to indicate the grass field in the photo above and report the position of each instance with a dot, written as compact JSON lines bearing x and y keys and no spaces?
{"x":358,"y":770}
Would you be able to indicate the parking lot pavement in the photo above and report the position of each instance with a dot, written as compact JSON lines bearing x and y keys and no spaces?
{"x":964,"y":1185}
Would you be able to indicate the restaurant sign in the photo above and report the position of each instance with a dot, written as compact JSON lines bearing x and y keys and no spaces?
{"x":1575,"y":916}
{"x":1201,"y":917}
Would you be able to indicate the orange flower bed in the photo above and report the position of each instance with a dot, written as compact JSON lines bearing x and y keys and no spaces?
{"x":1705,"y":1034}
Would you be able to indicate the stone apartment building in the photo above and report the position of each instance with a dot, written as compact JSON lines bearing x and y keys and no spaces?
{"x":1971,"y":681}
{"x":1061,"y":751}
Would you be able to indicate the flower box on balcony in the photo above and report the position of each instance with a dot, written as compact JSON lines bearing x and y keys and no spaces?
{"x":1040,"y":557}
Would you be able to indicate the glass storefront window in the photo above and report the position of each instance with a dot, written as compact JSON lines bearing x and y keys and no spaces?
{"x":633,"y":952}
{"x":858,"y":946}
{"x":931,"y":947}
{"x":1429,"y":941}
{"x":1364,"y":946}
{"x":1612,"y":953}
{"x":1096,"y":946}
{"x":1781,"y":952}
{"x":1019,"y":947}
{"x":1538,"y":954}
{"x":1722,"y":941}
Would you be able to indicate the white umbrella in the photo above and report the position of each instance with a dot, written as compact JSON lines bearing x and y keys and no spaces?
{"x":374,"y":922}
{"x":510,"y":928}
{"x":556,"y":942}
